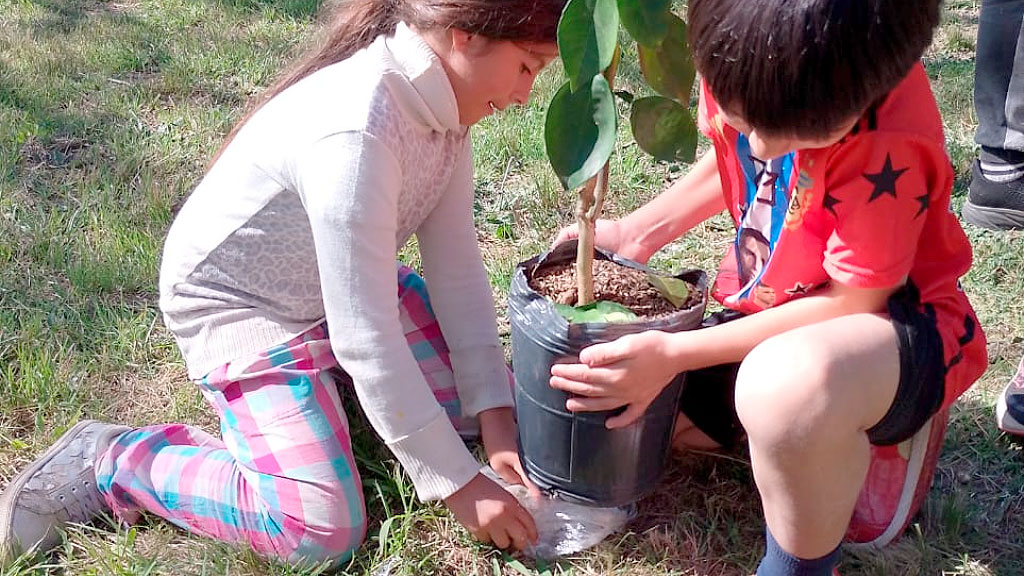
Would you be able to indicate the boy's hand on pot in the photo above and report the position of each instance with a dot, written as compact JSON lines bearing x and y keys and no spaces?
{"x":492,"y":515}
{"x":630,"y":371}
{"x":607,"y":236}
{"x":498,"y":432}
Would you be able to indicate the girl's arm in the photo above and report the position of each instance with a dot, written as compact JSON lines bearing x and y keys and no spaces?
{"x":350,"y":183}
{"x":460,"y":294}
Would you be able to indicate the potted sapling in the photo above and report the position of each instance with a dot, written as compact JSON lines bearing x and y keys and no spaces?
{"x":576,"y":295}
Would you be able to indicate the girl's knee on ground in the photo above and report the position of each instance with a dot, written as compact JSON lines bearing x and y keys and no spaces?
{"x":332,"y":536}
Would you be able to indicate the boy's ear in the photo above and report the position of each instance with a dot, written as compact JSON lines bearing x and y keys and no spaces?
{"x":461,"y":39}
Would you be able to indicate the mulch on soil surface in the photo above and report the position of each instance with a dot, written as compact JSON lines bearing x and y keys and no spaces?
{"x":614,"y":282}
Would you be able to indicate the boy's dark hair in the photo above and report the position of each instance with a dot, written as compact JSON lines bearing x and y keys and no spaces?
{"x":805,"y":67}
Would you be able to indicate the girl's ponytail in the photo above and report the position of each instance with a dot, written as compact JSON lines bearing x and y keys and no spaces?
{"x":354,"y":25}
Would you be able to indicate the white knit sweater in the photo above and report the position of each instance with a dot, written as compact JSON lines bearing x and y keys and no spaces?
{"x":300,"y":220}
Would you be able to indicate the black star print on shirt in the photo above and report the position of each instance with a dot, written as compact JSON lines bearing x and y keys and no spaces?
{"x":968,"y":336}
{"x":799,"y":289}
{"x":884,"y":181}
{"x":925,"y":201}
{"x":830,"y":202}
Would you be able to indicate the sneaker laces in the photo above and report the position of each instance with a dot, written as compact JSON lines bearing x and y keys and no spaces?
{"x":83,"y":503}
{"x":67,"y":486}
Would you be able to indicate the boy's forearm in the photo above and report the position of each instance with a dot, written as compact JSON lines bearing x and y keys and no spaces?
{"x":732,"y":341}
{"x":686,"y":203}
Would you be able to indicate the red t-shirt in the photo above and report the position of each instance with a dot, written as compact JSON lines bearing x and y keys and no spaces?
{"x":866,"y":212}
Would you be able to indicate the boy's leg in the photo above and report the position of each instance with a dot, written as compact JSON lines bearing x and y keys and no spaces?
{"x":897,"y":483}
{"x":688,"y":436}
{"x":707,"y":412}
{"x":807,"y":399}
{"x":423,"y":334}
{"x":707,"y":409}
{"x":283,"y":480}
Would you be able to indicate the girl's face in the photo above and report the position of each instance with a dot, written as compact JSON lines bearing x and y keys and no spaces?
{"x":766,"y":147}
{"x":489,"y":75}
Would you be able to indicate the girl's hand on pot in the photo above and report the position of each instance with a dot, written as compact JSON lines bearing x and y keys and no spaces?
{"x":492,"y":515}
{"x":630,"y":371}
{"x":498,"y":431}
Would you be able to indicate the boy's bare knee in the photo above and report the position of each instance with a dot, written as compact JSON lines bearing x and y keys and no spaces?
{"x":781,"y":390}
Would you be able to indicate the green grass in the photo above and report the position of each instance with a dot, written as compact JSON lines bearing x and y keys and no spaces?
{"x":109,"y":111}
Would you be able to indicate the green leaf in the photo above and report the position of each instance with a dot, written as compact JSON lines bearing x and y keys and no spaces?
{"x":600,"y":312}
{"x":587,"y":35}
{"x":516,"y":565}
{"x":668,"y":67}
{"x":647,"y":21}
{"x":674,"y":290}
{"x":382,"y":535}
{"x":579,"y":131}
{"x":664,"y":129}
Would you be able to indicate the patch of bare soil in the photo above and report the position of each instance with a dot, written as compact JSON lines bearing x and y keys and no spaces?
{"x":57,"y":153}
{"x":613,"y":282}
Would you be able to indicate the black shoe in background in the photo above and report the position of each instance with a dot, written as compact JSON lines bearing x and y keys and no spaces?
{"x":994,"y":205}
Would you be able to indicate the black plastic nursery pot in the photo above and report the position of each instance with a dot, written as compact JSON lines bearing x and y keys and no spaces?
{"x":574,"y":455}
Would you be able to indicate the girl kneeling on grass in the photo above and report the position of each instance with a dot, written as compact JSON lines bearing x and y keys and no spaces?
{"x":846,"y":335}
{"x":278,"y":280}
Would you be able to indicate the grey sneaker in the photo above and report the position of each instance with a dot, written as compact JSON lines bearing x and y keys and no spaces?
{"x":994,"y":205}
{"x":57,"y":488}
{"x":1010,"y":407}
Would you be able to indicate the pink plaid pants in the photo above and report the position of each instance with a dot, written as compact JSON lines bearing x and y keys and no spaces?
{"x":282,"y":478}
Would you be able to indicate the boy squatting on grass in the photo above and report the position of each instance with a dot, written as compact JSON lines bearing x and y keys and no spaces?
{"x":846,"y":335}
{"x":292,"y":235}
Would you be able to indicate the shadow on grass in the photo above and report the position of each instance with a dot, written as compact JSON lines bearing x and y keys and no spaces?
{"x":48,"y":137}
{"x":976,"y":507}
{"x":23,"y":151}
{"x":62,"y":16}
{"x":705,"y":516}
{"x":297,"y":9}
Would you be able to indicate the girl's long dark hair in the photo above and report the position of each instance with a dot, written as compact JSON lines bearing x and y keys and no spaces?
{"x":805,"y":67}
{"x":354,"y":24}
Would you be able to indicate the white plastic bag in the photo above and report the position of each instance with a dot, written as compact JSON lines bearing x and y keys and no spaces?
{"x":564,"y":528}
